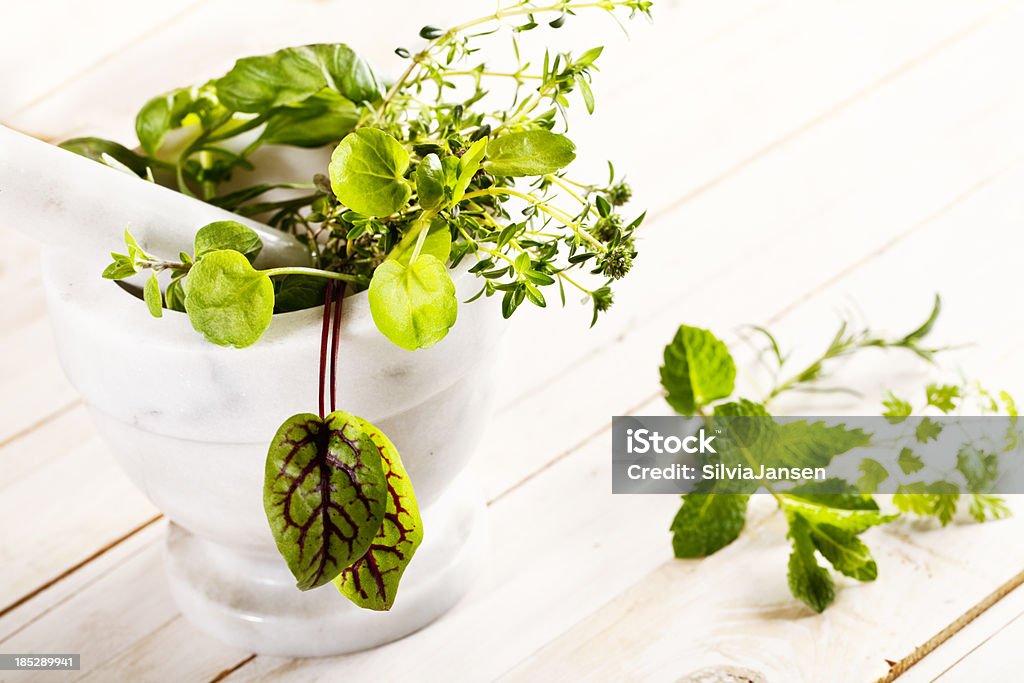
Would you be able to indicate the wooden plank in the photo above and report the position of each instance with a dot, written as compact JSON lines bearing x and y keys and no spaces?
{"x":725,"y":619}
{"x":64,"y":40}
{"x":997,"y":658}
{"x":734,"y":607}
{"x":41,"y":475}
{"x":937,"y":191}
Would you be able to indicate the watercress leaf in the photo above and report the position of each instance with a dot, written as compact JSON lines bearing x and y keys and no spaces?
{"x":227,"y":300}
{"x":103,"y":151}
{"x":908,"y":461}
{"x":707,"y":522}
{"x":324,"y":493}
{"x":698,"y":369}
{"x":259,"y":84}
{"x":844,"y":551}
{"x":372,"y":581}
{"x":298,"y":292}
{"x":367,"y":173}
{"x":438,"y":243}
{"x":528,"y":153}
{"x":151,"y":295}
{"x":413,"y":305}
{"x":227,"y":235}
{"x":122,"y":267}
{"x":808,"y":580}
{"x":316,"y":121}
{"x":469,"y":164}
{"x":430,"y":183}
{"x":814,"y":444}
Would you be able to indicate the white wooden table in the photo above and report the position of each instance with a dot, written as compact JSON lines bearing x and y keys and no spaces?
{"x":798,"y":157}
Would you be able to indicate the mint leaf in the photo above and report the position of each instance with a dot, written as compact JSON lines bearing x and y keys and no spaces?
{"x":814,"y":444}
{"x":698,"y":369}
{"x":151,"y":295}
{"x":368,"y":173}
{"x":372,"y":580}
{"x":833,"y":493}
{"x":528,"y":153}
{"x":854,"y":516}
{"x":324,"y":493}
{"x":872,"y":474}
{"x":227,"y":300}
{"x":908,"y":461}
{"x":707,"y":522}
{"x":844,"y":551}
{"x":808,"y":580}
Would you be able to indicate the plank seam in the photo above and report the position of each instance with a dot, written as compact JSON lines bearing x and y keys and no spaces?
{"x":897,"y":669}
{"x":74,"y":568}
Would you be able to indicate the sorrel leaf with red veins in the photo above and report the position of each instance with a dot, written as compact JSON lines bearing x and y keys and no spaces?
{"x":324,"y":493}
{"x":372,"y":582}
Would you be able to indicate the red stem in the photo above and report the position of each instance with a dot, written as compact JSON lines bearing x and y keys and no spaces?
{"x":324,"y":331}
{"x":335,"y":333}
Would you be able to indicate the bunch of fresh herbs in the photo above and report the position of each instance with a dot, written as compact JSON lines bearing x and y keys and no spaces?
{"x":825,"y":518}
{"x":426,"y":176}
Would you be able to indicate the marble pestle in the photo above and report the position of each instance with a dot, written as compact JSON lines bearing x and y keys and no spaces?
{"x":77,"y":205}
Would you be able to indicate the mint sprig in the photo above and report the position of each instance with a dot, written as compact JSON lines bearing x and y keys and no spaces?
{"x":824,"y":518}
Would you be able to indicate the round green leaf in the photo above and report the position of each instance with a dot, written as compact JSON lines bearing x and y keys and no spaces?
{"x":324,"y":493}
{"x":227,"y":235}
{"x":529,"y":153}
{"x":413,"y":305}
{"x":438,"y":243}
{"x":367,"y":173}
{"x":227,"y":300}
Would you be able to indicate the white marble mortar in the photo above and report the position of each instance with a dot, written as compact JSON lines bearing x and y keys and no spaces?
{"x":190,"y":423}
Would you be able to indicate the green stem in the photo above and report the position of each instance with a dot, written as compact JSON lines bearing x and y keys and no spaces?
{"x":557,"y":214}
{"x":498,"y":15}
{"x":316,"y":272}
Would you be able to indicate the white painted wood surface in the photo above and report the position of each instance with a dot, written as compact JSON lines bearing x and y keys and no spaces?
{"x":798,"y":157}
